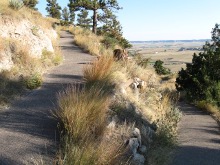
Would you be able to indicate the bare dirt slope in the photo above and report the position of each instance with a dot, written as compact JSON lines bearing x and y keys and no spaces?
{"x":199,"y":138}
{"x":28,"y":132}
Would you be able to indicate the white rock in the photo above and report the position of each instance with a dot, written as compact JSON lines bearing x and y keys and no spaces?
{"x":22,"y":31}
{"x":133,"y":144}
{"x":137,"y":134}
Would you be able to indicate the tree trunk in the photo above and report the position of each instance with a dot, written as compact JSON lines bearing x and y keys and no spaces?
{"x":94,"y":26}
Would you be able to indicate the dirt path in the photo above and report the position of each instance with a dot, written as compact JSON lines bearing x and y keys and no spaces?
{"x":27,"y":130}
{"x":199,"y":138}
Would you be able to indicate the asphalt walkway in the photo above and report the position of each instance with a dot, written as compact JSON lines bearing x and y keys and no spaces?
{"x":28,"y":131}
{"x":199,"y":138}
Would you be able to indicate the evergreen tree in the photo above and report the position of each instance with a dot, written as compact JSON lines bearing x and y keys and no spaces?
{"x":53,"y":9}
{"x":31,"y":3}
{"x":112,"y":30}
{"x":201,"y":78}
{"x":72,"y":9}
{"x":65,"y":16}
{"x":95,"y":5}
{"x":83,"y":19}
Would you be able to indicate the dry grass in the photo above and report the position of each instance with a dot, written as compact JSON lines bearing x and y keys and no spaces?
{"x":99,"y":72}
{"x":90,"y":42}
{"x":211,"y":109}
{"x":83,"y":114}
{"x":140,"y":106}
{"x":25,"y":13}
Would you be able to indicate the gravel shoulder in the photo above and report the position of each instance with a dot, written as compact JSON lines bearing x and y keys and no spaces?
{"x":199,"y":138}
{"x":28,"y":130}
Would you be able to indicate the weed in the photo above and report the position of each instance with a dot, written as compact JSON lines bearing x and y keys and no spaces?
{"x":33,"y":81}
{"x":35,"y":30}
{"x":16,"y":4}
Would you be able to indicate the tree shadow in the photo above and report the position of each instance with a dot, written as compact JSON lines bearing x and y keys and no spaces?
{"x":191,"y":155}
{"x":34,"y":115}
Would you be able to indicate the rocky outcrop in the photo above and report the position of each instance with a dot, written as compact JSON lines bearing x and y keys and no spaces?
{"x":31,"y":36}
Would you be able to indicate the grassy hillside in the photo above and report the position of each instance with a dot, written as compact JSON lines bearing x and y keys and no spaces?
{"x":98,"y":117}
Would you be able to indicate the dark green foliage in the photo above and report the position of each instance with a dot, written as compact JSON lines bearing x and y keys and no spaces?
{"x":53,"y":9}
{"x":160,"y":69}
{"x":65,"y":17}
{"x":94,"y":6}
{"x":72,"y":9}
{"x":201,"y":78}
{"x":109,"y":42}
{"x":31,"y":3}
{"x":83,"y":19}
{"x":112,"y":30}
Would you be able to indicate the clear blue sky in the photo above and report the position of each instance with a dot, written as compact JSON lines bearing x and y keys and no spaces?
{"x":163,"y":19}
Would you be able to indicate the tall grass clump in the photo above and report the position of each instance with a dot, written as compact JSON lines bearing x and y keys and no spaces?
{"x":166,"y":135}
{"x":16,"y":4}
{"x":82,"y":112}
{"x":83,"y":115}
{"x":99,"y":72}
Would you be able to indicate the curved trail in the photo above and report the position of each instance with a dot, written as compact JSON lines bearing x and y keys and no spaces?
{"x":199,"y":138}
{"x":28,"y":132}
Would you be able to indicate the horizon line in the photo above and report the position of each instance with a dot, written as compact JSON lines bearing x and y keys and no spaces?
{"x":170,"y":40}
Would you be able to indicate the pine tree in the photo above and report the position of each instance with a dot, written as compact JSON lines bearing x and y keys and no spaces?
{"x":31,"y":3}
{"x":201,"y":78}
{"x":72,"y":10}
{"x":53,"y":9}
{"x":95,"y":5}
{"x":83,"y":19}
{"x":65,"y":16}
{"x":112,"y":30}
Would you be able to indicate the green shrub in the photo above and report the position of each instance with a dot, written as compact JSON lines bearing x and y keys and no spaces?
{"x":109,"y":42}
{"x":34,"y":81}
{"x":201,"y":78}
{"x":160,"y":69}
{"x":141,"y":61}
{"x":16,"y":4}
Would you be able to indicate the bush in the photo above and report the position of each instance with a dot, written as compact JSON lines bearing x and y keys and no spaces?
{"x":34,"y":81}
{"x":201,"y":78}
{"x":30,"y":3}
{"x":160,"y":69}
{"x":16,"y":4}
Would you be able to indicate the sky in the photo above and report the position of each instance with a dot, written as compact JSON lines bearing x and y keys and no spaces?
{"x":145,"y":20}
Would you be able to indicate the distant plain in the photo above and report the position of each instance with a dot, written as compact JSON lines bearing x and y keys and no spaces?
{"x":169,"y":52}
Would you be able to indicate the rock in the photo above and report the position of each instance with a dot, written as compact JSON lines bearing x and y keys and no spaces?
{"x":32,"y":37}
{"x":6,"y":62}
{"x":136,"y":133}
{"x":133,"y":144}
{"x":143,"y":149}
{"x":138,"y":159}
{"x":111,"y":125}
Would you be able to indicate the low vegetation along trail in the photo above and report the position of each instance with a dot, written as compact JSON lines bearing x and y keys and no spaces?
{"x":199,"y":138}
{"x":28,"y":132}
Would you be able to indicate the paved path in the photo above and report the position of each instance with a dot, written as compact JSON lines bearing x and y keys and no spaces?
{"x":199,"y":138}
{"x":27,"y":129}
